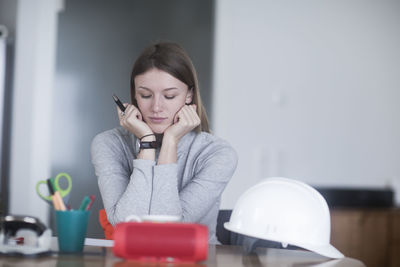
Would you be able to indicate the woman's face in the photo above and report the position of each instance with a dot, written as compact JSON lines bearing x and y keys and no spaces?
{"x":160,"y":96}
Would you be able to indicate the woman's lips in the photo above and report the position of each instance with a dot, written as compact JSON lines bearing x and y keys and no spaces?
{"x":157,"y":119}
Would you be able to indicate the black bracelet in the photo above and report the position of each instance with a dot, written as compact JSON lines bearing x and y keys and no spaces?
{"x":146,"y":136}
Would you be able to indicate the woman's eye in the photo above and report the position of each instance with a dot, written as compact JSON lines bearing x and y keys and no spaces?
{"x":145,"y":96}
{"x":170,"y":97}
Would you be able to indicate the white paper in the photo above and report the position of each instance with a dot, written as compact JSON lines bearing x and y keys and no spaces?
{"x":99,"y":242}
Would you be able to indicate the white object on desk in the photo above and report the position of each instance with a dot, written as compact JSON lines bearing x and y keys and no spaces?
{"x":99,"y":242}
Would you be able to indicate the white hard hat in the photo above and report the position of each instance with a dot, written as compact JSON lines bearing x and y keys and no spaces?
{"x":286,"y":211}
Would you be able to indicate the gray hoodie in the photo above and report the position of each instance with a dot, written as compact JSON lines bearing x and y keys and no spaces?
{"x":190,"y":188}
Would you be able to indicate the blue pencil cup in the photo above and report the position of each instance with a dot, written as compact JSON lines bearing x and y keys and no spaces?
{"x":71,"y":228}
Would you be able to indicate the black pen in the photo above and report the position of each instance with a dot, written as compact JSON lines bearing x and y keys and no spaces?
{"x":118,"y":102}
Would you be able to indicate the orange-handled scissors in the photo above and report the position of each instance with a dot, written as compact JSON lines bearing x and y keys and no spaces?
{"x":56,"y":182}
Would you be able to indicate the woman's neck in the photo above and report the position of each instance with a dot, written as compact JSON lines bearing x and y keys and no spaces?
{"x":159,"y":137}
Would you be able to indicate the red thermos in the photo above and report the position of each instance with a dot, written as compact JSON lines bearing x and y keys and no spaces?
{"x":152,"y":241}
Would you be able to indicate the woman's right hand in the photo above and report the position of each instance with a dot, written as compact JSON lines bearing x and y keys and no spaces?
{"x":132,"y":120}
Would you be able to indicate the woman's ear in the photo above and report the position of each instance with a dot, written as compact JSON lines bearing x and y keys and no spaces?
{"x":189,"y":96}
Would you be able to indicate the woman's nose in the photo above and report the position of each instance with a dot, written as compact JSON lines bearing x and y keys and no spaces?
{"x":156,"y":105}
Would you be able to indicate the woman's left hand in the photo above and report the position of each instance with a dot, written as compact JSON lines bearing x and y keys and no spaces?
{"x":186,"y":119}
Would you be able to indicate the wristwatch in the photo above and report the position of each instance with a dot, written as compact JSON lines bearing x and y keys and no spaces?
{"x":148,"y":144}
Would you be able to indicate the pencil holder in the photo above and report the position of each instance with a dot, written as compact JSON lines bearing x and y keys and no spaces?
{"x":71,"y":228}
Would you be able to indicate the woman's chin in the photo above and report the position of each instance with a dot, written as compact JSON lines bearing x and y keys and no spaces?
{"x":158,"y":129}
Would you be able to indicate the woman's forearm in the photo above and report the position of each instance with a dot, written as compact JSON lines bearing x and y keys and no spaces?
{"x":148,"y":154}
{"x":168,"y":152}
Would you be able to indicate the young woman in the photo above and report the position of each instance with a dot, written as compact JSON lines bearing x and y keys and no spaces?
{"x":163,"y":160}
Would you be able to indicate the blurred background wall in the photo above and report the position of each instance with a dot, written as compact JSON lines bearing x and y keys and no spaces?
{"x":97,"y":44}
{"x":28,"y":102}
{"x":308,"y":91}
{"x":8,"y":11}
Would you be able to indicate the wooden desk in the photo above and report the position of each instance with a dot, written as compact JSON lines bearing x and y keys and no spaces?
{"x":371,"y":235}
{"x":218,"y":256}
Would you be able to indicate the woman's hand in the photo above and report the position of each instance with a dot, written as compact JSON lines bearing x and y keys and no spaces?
{"x":186,"y":119}
{"x":131,"y":120}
